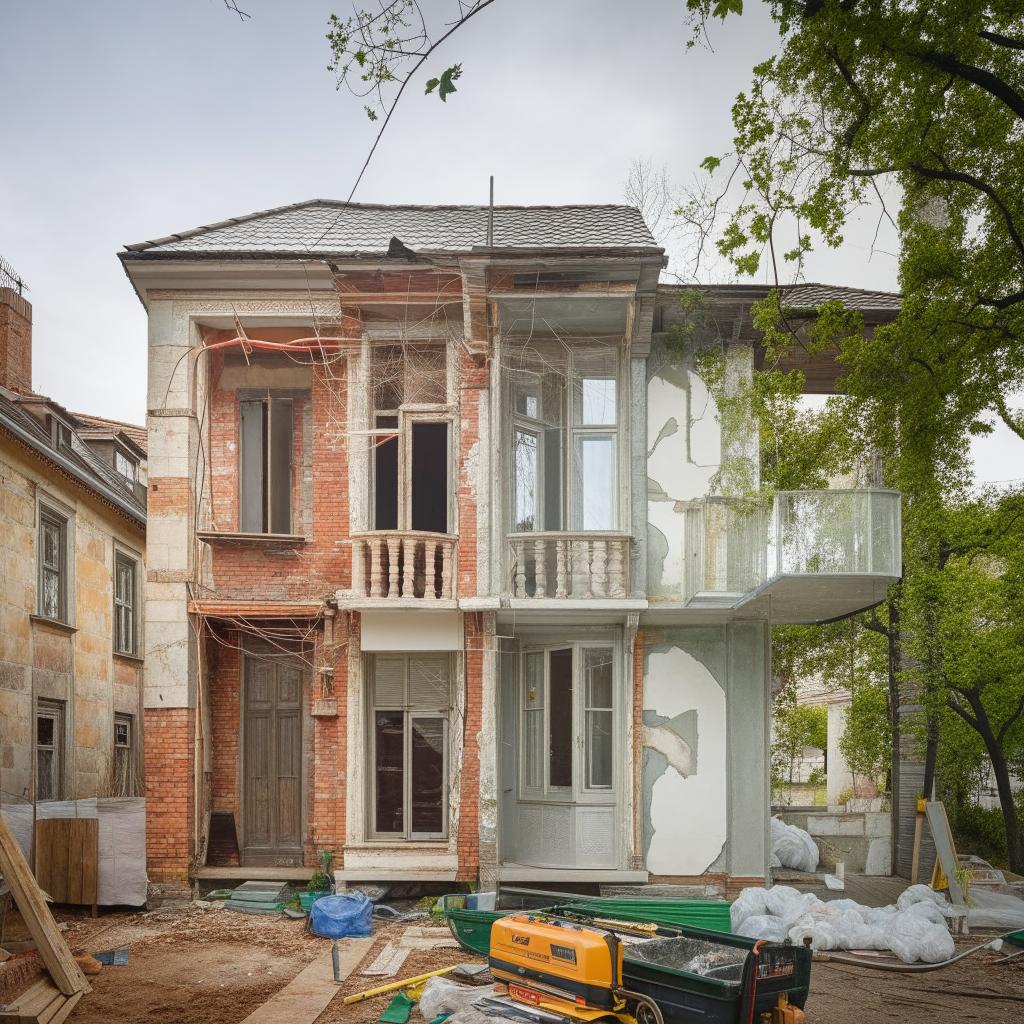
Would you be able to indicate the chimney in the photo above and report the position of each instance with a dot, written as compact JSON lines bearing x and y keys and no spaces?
{"x":15,"y":340}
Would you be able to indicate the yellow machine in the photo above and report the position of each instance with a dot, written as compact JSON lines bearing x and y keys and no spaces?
{"x":566,"y":968}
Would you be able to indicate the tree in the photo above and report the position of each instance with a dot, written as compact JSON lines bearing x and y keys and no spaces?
{"x":795,"y":727}
{"x":865,"y":742}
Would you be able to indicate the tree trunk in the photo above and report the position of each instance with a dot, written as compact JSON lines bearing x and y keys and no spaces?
{"x":894,"y":666}
{"x":1014,"y":847}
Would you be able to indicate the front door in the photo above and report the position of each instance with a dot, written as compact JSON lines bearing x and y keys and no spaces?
{"x":569,"y":737}
{"x":272,"y":757}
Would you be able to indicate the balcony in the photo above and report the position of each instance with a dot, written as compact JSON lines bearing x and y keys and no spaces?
{"x":569,"y":565}
{"x":391,"y":565}
{"x":815,"y":556}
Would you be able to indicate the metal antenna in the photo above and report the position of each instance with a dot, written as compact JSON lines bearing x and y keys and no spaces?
{"x":490,"y":218}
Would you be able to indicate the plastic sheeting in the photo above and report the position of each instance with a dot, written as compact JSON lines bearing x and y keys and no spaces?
{"x":994,"y":910}
{"x":916,"y":931}
{"x":793,"y":847}
{"x":122,"y":879}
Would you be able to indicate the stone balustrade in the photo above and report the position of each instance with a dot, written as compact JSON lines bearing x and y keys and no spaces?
{"x":569,"y":565}
{"x":393,"y":564}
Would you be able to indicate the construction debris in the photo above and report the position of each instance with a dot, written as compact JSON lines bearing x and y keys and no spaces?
{"x":388,"y":962}
{"x":258,"y":898}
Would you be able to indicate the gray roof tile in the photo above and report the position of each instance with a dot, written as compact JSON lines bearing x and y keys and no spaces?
{"x":326,"y":227}
{"x":811,"y":296}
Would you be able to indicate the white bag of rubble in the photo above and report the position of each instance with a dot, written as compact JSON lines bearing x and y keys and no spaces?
{"x":794,"y":847}
{"x":919,"y":894}
{"x":929,"y":911}
{"x":785,"y":902}
{"x":821,"y":933}
{"x":762,"y":926}
{"x":995,"y":910}
{"x":912,"y":938}
{"x":751,"y":902}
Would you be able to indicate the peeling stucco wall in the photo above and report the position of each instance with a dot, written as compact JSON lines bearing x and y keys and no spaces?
{"x":683,"y":775}
{"x":684,"y":455}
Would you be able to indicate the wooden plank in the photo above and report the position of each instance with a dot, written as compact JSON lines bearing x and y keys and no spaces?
{"x":67,"y":859}
{"x":945,"y":850}
{"x":306,"y":996}
{"x":53,"y":950}
{"x":62,"y":1012}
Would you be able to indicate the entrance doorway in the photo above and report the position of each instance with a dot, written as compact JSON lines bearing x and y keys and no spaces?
{"x":566,"y":715}
{"x":272,"y":786}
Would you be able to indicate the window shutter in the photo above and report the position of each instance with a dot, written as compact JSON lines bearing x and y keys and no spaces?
{"x":388,"y":682}
{"x":281,"y":465}
{"x":251,"y":517}
{"x":429,"y":687}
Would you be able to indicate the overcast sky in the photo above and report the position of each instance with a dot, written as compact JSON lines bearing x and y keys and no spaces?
{"x":127,"y":120}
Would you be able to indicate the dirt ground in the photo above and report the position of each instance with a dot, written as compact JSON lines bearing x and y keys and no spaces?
{"x":193,"y":965}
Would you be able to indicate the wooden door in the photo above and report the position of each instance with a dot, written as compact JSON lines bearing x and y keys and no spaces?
{"x":272,"y":782}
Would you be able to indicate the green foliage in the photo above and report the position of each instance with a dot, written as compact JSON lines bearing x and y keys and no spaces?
{"x":866,"y":742}
{"x":445,"y":85}
{"x":794,"y":727}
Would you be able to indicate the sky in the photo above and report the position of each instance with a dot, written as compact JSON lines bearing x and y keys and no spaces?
{"x":127,"y":120}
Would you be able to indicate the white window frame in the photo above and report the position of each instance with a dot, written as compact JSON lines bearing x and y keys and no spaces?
{"x":131,"y":477}
{"x":579,"y":792}
{"x":121,"y":556}
{"x":408,"y":713}
{"x":572,"y":431}
{"x":55,"y":711}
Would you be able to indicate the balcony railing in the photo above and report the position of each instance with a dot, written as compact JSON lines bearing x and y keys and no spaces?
{"x":734,"y":548}
{"x":569,"y":565}
{"x":391,"y":564}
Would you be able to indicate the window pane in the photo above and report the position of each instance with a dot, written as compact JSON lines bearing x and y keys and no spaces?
{"x":533,"y":720}
{"x":51,"y":545}
{"x":524,"y":456}
{"x":597,"y":667}
{"x":252,"y":515}
{"x":385,"y":475}
{"x":599,"y":749}
{"x":389,"y":771}
{"x":45,"y":731}
{"x":51,"y":594}
{"x":560,"y":724}
{"x":595,"y":482}
{"x":280,"y":486}
{"x":595,"y":401}
{"x":526,"y":400}
{"x":428,"y":759}
{"x":46,"y":788}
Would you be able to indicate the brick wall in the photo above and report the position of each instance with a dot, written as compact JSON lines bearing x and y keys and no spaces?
{"x":473,"y":376}
{"x":15,"y":340}
{"x":169,"y":789}
{"x":469,"y":783}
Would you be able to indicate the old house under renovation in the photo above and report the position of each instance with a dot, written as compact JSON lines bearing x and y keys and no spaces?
{"x":443,"y":575}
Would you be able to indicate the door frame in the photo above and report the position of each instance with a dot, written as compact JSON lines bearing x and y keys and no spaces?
{"x":250,"y":648}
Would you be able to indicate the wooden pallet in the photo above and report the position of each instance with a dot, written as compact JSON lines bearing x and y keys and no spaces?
{"x":41,"y":1003}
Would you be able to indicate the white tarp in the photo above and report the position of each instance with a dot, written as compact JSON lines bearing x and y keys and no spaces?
{"x":122,"y":877}
{"x":792,"y":847}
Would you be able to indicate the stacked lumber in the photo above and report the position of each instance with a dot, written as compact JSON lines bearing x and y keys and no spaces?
{"x":51,"y":1000}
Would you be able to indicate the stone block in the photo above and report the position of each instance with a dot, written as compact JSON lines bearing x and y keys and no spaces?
{"x":879,"y":858}
{"x":878,"y":824}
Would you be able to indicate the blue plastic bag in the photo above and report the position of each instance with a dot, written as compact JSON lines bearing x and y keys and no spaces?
{"x":346,"y":914}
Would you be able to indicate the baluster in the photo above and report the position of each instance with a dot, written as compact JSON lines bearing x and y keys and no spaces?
{"x":616,"y":568}
{"x":430,"y":548}
{"x":447,"y":560}
{"x":599,"y":576}
{"x":581,"y":568}
{"x":540,"y":567}
{"x":519,"y":579}
{"x":375,"y":548}
{"x":394,"y":549}
{"x":358,"y":568}
{"x":561,"y":589}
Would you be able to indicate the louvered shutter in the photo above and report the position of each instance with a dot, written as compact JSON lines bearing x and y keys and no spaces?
{"x":429,"y":687}
{"x":388,"y":682}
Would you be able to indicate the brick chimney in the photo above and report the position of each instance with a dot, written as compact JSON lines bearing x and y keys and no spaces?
{"x":15,"y":340}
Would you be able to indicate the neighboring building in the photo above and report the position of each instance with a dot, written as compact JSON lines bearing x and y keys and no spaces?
{"x":441,"y":577}
{"x":73,"y":530}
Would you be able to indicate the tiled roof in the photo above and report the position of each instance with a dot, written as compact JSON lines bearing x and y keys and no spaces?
{"x":811,"y":296}
{"x":78,"y":459}
{"x":324,"y":227}
{"x":100,"y":424}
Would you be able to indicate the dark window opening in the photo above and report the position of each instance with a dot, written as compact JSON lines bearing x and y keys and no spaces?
{"x":386,"y":475}
{"x":50,"y":750}
{"x":266,"y":465}
{"x":560,"y":724}
{"x":430,"y":477}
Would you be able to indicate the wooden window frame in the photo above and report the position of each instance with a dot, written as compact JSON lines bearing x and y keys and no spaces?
{"x":55,"y":711}
{"x":268,"y":510}
{"x":61,"y":522}
{"x":128,"y":609}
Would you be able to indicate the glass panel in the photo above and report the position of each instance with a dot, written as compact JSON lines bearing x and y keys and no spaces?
{"x":595,"y":482}
{"x":599,"y":749}
{"x":389,"y":771}
{"x":597,"y":667}
{"x":45,"y":731}
{"x":385,"y":475}
{"x":51,"y":594}
{"x":560,"y":723}
{"x":45,"y":775}
{"x":524,"y":456}
{"x":595,"y":401}
{"x":533,"y":721}
{"x":526,"y":400}
{"x":51,"y":545}
{"x":121,"y":734}
{"x":428,"y":760}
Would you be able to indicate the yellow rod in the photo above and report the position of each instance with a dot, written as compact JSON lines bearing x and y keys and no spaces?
{"x":406,"y":983}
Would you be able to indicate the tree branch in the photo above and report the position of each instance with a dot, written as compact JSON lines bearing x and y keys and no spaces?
{"x":991,"y":83}
{"x":1000,"y":40}
{"x":1015,"y":424}
{"x":1004,"y":728}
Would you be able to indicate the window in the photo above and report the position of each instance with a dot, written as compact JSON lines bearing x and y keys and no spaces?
{"x":50,"y":750}
{"x":53,"y":565}
{"x":567,"y":732}
{"x":125,"y":780}
{"x":410,"y":464}
{"x":128,"y":468}
{"x":125,"y":604}
{"x":60,"y":433}
{"x":409,"y":708}
{"x":266,"y":465}
{"x":564,"y":438}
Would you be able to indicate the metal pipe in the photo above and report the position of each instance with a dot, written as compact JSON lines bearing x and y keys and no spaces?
{"x":827,"y":958}
{"x":490,"y":218}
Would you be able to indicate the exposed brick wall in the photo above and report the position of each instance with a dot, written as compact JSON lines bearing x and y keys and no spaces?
{"x":15,"y":340}
{"x":469,"y":783}
{"x":473,"y":375}
{"x":169,"y":789}
{"x":224,"y":682}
